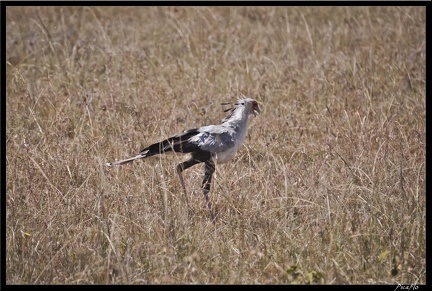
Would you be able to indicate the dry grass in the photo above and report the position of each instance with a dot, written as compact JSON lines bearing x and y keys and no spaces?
{"x":329,"y":187}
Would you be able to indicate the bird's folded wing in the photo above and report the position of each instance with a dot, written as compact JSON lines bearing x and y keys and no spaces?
{"x":178,"y":143}
{"x":213,"y":139}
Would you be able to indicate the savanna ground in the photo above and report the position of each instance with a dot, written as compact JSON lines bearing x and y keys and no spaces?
{"x":329,"y":187}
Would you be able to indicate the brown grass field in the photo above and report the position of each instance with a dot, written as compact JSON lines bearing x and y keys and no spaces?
{"x":329,"y":187}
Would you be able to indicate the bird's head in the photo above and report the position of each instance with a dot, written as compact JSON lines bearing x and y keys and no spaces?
{"x":250,"y":105}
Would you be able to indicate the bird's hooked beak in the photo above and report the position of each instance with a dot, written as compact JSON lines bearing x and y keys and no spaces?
{"x":255,"y":109}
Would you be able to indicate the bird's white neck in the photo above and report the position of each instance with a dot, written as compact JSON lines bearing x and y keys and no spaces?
{"x":238,"y":117}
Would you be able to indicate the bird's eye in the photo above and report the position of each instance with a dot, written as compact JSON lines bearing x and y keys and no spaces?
{"x":242,"y":103}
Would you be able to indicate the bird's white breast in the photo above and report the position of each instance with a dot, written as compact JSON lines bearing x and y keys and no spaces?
{"x":225,"y":156}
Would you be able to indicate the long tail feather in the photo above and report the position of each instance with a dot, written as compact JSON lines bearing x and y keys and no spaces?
{"x":122,"y":162}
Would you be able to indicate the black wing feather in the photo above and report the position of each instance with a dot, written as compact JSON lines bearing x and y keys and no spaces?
{"x":178,"y":143}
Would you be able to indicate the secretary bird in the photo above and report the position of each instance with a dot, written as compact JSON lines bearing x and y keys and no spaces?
{"x":207,"y":144}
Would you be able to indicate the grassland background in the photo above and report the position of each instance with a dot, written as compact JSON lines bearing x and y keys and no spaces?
{"x":329,"y":187}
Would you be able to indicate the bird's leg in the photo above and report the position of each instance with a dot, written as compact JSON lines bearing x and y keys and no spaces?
{"x":180,"y":168}
{"x":179,"y":173}
{"x":208,"y":173}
